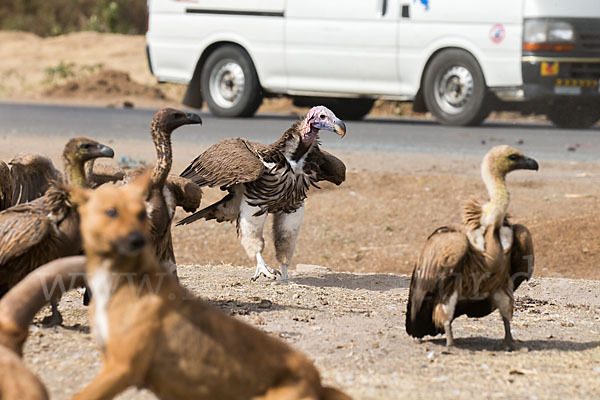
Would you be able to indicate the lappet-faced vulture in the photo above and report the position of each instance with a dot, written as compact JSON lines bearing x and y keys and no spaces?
{"x":46,"y":228}
{"x":268,"y":179}
{"x":473,"y":269}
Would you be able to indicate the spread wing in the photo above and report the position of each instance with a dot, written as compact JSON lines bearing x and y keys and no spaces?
{"x":31,"y":175}
{"x":5,"y":187}
{"x":187,"y":194}
{"x":327,"y":166}
{"x":521,"y":255}
{"x":441,"y":257}
{"x":226,"y":163}
{"x":104,"y":173}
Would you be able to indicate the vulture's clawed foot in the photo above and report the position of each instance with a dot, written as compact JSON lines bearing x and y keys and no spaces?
{"x":55,"y":319}
{"x":267,"y":272}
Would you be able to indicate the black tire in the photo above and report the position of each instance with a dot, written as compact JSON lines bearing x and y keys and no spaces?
{"x":574,"y":114}
{"x":454,"y":89}
{"x":349,"y":109}
{"x":230,"y":84}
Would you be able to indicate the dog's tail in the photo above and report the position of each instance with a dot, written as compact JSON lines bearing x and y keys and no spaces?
{"x":330,"y":393}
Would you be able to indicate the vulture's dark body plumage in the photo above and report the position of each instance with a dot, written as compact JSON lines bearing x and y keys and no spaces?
{"x":473,"y":269}
{"x":268,"y":179}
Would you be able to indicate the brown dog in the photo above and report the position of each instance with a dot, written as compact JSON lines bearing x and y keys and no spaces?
{"x":155,"y":334}
{"x":17,"y":309}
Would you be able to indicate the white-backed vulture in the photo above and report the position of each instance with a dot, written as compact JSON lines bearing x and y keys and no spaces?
{"x":46,"y":228}
{"x":473,"y":269}
{"x":167,"y":193}
{"x":268,"y":179}
{"x":17,"y":309}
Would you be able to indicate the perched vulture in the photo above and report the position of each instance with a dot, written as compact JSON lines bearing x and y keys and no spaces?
{"x":473,"y":269}
{"x":46,"y":228}
{"x":17,"y":309}
{"x":268,"y":179}
{"x":166,"y":192}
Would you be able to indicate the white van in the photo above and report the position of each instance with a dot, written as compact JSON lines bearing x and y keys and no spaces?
{"x":459,"y":59}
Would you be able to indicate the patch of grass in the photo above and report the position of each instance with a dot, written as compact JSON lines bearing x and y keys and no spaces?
{"x":64,"y":71}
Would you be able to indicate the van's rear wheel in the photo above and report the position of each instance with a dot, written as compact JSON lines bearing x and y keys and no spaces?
{"x":574,"y":114}
{"x":454,"y":89}
{"x":230,"y":84}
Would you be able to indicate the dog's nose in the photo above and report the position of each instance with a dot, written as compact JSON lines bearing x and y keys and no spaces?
{"x":136,"y":240}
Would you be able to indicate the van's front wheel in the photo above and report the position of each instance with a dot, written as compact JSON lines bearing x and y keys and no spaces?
{"x":230,"y":84}
{"x":454,"y":89}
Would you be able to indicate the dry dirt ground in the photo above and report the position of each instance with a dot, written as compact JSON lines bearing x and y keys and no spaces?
{"x":367,"y":231}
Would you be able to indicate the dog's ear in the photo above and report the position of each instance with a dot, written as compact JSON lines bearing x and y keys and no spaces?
{"x":142,"y":183}
{"x":78,"y":195}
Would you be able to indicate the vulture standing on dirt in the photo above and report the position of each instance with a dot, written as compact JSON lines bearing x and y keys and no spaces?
{"x":263,"y":179}
{"x":167,"y":192}
{"x":473,"y":269}
{"x":46,"y":228}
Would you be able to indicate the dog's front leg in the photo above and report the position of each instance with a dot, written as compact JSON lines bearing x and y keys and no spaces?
{"x":112,"y":380}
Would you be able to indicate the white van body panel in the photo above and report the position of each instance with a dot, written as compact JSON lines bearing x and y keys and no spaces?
{"x":348,"y":47}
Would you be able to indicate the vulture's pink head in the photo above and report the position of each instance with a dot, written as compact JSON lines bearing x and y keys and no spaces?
{"x":321,"y":117}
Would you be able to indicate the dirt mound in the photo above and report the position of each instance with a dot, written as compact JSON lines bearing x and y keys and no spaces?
{"x":106,"y":83}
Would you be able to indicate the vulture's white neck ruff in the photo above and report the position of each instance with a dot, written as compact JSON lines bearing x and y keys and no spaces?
{"x":494,"y":211}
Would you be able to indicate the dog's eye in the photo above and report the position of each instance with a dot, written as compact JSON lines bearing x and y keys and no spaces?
{"x":142,"y":215}
{"x":112,"y":212}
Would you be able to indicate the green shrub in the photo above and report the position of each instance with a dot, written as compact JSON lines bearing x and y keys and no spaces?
{"x":55,"y":17}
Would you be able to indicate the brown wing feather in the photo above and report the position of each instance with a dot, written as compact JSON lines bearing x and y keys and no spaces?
{"x":35,"y":233}
{"x":187,"y":194}
{"x":6,"y":187}
{"x":327,"y":166}
{"x":521,"y":255}
{"x":440,"y":258}
{"x":31,"y":175}
{"x":104,"y":173}
{"x":224,"y":164}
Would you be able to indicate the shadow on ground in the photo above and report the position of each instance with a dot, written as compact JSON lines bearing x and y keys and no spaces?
{"x":479,"y":343}
{"x":376,"y":282}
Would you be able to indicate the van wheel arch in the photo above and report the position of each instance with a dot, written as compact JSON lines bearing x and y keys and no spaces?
{"x":425,"y":104}
{"x":193,"y":94}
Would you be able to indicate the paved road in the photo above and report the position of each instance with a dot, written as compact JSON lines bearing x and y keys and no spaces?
{"x":539,"y":140}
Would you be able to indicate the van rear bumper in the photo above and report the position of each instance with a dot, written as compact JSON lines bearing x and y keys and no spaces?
{"x":553,"y":77}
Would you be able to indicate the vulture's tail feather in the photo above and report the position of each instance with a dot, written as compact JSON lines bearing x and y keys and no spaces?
{"x":214,"y":211}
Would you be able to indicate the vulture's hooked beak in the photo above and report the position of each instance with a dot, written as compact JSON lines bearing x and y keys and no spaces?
{"x":193,"y":118}
{"x":339,"y":127}
{"x":528,"y":163}
{"x":105,"y":151}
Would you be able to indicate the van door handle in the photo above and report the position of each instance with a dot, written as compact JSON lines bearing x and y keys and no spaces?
{"x":405,"y":11}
